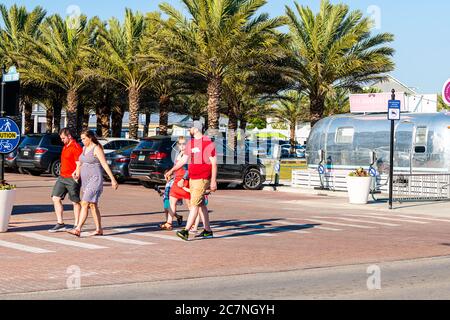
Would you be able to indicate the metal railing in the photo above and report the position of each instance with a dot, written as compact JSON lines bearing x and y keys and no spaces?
{"x":421,"y":187}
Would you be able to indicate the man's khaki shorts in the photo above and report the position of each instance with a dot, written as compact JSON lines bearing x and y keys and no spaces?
{"x":198,"y":189}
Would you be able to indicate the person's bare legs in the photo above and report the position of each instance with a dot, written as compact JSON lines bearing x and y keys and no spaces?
{"x":83,"y":215}
{"x":76,"y":212}
{"x":193,"y":213}
{"x":97,"y":218}
{"x":172,"y":211}
{"x":204,"y":214}
{"x":59,"y":209}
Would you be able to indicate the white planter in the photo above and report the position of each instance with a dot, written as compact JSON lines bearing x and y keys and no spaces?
{"x":7,"y":198}
{"x":358,"y":189}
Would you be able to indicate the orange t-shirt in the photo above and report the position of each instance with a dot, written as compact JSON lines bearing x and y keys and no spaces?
{"x":69,"y":156}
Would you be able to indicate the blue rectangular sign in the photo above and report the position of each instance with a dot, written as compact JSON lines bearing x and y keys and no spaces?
{"x":394,"y":109}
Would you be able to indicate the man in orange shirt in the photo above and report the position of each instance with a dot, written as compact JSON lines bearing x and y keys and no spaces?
{"x":65,"y":183}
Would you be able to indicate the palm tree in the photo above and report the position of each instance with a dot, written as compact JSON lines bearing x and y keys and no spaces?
{"x":120,"y":47}
{"x":441,"y":104}
{"x":218,"y":35}
{"x":337,"y":102}
{"x":292,"y":109}
{"x":335,"y":49}
{"x":60,"y":57}
{"x":18,"y":25}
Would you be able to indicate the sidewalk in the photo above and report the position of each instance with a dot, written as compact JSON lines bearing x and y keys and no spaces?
{"x":338,"y":199}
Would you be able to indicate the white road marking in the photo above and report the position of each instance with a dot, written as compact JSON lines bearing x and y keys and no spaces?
{"x":125,"y":240}
{"x":249,"y":231}
{"x":292,"y":224}
{"x":149,"y":234}
{"x":384,"y":218}
{"x":339,"y":224}
{"x":62,"y":241}
{"x":361,"y":221}
{"x":319,"y":228}
{"x":22,"y":247}
{"x":414,"y":217}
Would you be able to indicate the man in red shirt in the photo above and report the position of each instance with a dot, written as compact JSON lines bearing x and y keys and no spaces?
{"x":65,"y":183}
{"x":200,"y":153}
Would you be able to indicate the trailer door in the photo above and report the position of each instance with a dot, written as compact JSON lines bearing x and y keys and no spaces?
{"x":403,"y":146}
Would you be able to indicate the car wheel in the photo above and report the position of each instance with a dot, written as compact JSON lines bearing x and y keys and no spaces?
{"x":148,"y":185}
{"x":55,"y":170}
{"x":253,"y":180}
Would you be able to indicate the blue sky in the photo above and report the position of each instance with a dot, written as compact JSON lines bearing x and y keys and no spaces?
{"x":421,"y":28}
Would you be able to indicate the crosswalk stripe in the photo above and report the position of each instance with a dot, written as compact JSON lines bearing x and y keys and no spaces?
{"x":361,"y":221}
{"x":149,"y":234}
{"x":22,"y":247}
{"x":62,"y":241}
{"x":387,"y":219}
{"x":414,"y":217}
{"x":319,"y":228}
{"x":339,"y":224}
{"x":125,"y":240}
{"x":285,"y":223}
{"x":247,"y":231}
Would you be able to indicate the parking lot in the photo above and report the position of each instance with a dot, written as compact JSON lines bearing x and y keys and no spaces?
{"x":255,"y":232}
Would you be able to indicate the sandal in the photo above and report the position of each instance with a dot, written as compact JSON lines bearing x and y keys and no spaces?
{"x":179,"y":220}
{"x":75,"y":232}
{"x":97,"y":234}
{"x":166,"y":226}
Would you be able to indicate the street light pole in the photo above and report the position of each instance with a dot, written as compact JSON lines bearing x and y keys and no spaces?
{"x":391,"y":167}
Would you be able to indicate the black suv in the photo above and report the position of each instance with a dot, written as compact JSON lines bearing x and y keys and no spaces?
{"x":40,"y":153}
{"x":153,"y":156}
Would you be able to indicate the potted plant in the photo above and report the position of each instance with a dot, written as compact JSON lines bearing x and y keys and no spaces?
{"x":7,"y":198}
{"x":358,"y":186}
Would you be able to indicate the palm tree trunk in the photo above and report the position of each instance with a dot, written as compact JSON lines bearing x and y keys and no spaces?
{"x":317,"y":108}
{"x":292,"y":129}
{"x":117,"y":119}
{"x":243,"y":125}
{"x":147,"y":123}
{"x":28,"y":110}
{"x":103,"y":113}
{"x":164,"y":102}
{"x":232,"y":127}
{"x":72,"y":108}
{"x":86,"y":116}
{"x":133,"y":99}
{"x":214,"y":93}
{"x":49,"y":117}
{"x":57,"y":108}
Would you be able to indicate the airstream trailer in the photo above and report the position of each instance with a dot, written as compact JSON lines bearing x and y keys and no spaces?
{"x":422,"y":142}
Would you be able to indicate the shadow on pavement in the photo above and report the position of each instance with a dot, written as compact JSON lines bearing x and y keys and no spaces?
{"x":236,"y":227}
{"x":42,"y":208}
{"x":31,"y":228}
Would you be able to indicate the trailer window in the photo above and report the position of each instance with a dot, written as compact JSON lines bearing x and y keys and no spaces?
{"x":345,"y":135}
{"x":421,"y":136}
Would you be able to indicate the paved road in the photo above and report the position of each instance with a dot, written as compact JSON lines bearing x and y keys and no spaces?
{"x":256,"y":233}
{"x":417,"y":279}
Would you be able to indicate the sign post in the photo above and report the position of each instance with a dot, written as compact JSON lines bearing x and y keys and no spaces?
{"x":9,"y":130}
{"x":394,"y":109}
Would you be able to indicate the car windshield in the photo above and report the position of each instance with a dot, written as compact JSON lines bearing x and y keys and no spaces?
{"x":149,"y":144}
{"x":31,"y":141}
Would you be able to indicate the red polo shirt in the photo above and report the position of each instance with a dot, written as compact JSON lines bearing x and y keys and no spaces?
{"x":69,"y":156}
{"x":199,"y":152}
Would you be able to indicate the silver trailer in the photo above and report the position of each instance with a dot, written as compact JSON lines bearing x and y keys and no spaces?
{"x":422,"y":143}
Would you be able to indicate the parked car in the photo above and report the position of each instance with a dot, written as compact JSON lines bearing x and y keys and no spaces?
{"x":153,"y":156}
{"x":300,"y":151}
{"x":40,"y":153}
{"x":119,"y":162}
{"x":10,"y":159}
{"x":113,"y":144}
